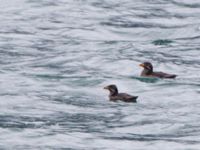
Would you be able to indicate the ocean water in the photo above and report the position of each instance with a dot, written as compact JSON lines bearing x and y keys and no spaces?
{"x":56,"y":57}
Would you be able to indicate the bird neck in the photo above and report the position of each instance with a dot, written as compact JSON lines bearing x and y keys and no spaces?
{"x":113,"y":92}
{"x":147,"y":72}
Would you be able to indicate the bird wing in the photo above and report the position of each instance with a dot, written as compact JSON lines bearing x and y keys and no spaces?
{"x":164,"y":75}
{"x":127,"y":97}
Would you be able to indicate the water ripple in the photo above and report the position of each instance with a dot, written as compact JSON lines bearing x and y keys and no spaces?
{"x":56,"y":57}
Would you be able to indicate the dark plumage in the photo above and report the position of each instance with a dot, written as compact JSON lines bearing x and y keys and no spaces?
{"x":148,"y":72}
{"x":114,"y":95}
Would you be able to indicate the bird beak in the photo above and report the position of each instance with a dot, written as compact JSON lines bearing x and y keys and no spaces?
{"x":141,"y":65}
{"x":106,"y":88}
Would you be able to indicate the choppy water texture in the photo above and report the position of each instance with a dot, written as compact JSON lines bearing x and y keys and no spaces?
{"x":56,"y":57}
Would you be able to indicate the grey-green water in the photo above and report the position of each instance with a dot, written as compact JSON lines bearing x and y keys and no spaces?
{"x":56,"y":57}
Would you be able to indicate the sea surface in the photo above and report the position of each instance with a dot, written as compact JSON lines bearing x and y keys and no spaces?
{"x":57,"y":55}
